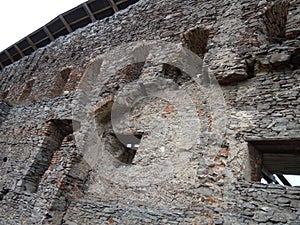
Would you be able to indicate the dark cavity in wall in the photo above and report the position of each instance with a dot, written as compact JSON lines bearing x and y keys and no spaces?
{"x":55,"y":131}
{"x":65,"y":73}
{"x":60,"y":82}
{"x":295,"y":59}
{"x":26,"y":90}
{"x":250,"y":66}
{"x":3,"y":193}
{"x":196,"y":40}
{"x":129,"y":73}
{"x":124,"y":151}
{"x":122,"y":147}
{"x":3,"y":94}
{"x":174,"y":73}
{"x":274,"y":20}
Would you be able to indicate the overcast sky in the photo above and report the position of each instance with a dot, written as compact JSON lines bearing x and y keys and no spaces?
{"x":18,"y":18}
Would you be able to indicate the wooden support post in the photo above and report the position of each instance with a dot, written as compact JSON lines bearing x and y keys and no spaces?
{"x":114,"y":5}
{"x":268,"y":176}
{"x":31,"y":43}
{"x":47,"y":31}
{"x":19,"y":50}
{"x":9,"y":56}
{"x":89,"y":12}
{"x":65,"y":24}
{"x":1,"y":65}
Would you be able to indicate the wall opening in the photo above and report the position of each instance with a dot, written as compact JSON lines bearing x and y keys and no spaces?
{"x":55,"y":131}
{"x":3,"y":94}
{"x":130,"y":72}
{"x":275,"y":19}
{"x":174,"y":73}
{"x":250,"y":66}
{"x":3,"y":192}
{"x":122,"y":147}
{"x":26,"y":90}
{"x":196,"y":40}
{"x":295,"y":59}
{"x":272,"y":160}
{"x":65,"y":73}
{"x":59,"y":82}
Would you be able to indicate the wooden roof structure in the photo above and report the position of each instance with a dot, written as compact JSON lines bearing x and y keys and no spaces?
{"x":63,"y":24}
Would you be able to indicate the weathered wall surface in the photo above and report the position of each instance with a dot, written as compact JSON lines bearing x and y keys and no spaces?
{"x":251,"y":47}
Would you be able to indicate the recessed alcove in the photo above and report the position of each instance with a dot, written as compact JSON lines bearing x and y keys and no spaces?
{"x":55,"y":130}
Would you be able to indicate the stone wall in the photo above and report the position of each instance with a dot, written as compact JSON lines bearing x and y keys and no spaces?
{"x":58,"y":169}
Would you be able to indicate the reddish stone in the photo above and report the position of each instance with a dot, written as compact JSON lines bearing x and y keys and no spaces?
{"x":79,"y":195}
{"x":24,"y":219}
{"x":75,"y":188}
{"x":200,"y":111}
{"x":224,"y":152}
{"x":170,"y":108}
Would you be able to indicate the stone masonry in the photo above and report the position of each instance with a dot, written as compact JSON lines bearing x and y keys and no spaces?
{"x":56,"y":169}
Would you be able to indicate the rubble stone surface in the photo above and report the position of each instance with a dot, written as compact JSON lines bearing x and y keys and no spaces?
{"x":51,"y":171}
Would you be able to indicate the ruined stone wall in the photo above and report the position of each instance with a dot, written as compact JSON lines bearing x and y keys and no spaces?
{"x":48,"y":176}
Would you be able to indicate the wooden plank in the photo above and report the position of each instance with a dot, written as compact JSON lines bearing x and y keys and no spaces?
{"x":268,"y":176}
{"x":102,"y":10}
{"x":67,"y":26}
{"x":31,"y":43}
{"x":47,"y":31}
{"x":114,"y":5}
{"x":89,"y":12}
{"x":1,"y":65}
{"x":19,"y":50}
{"x":81,"y":18}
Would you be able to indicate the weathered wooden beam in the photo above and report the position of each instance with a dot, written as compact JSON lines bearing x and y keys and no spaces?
{"x":31,"y":43}
{"x":89,"y":12}
{"x":19,"y":50}
{"x":114,"y":5}
{"x":269,"y":177}
{"x":283,"y":179}
{"x":67,"y":26}
{"x":9,"y":56}
{"x":47,"y":31}
{"x":1,"y":65}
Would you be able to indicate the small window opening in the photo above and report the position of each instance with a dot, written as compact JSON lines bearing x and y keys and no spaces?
{"x":196,"y":40}
{"x":174,"y":73}
{"x":65,"y":73}
{"x":275,"y":161}
{"x":26,"y":90}
{"x":122,"y":146}
{"x":250,"y":66}
{"x":275,"y":19}
{"x":295,"y":59}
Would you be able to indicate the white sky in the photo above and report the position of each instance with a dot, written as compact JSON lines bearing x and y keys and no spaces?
{"x":18,"y":18}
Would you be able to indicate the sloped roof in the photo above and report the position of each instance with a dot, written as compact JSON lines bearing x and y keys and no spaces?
{"x":63,"y":24}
